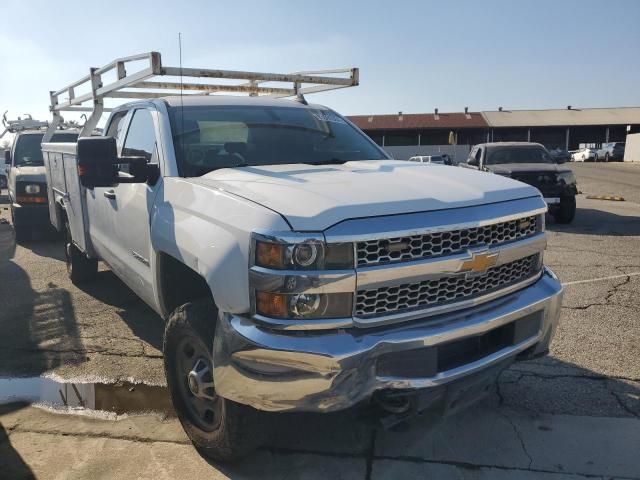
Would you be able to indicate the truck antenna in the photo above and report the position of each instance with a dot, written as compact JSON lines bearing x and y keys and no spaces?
{"x":181,"y":100}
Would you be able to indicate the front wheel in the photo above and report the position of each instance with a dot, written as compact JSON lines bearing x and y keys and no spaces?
{"x":219,"y":428}
{"x":566,"y":211}
{"x":23,"y":233}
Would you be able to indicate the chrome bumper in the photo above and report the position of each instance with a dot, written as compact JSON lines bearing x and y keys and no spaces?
{"x":327,"y":371}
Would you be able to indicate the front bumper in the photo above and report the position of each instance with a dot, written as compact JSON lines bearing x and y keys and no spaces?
{"x":30,"y":215}
{"x":328,"y":371}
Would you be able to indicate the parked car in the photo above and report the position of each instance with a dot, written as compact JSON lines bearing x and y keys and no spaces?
{"x":560,"y":155}
{"x":530,"y":163}
{"x":612,"y":151}
{"x":441,"y":159}
{"x":27,"y":183}
{"x":584,"y":154}
{"x":298,"y":268}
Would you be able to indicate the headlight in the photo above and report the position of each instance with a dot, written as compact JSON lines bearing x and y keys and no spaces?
{"x":304,"y":305}
{"x":567,"y":177}
{"x":308,"y":255}
{"x":32,"y":189}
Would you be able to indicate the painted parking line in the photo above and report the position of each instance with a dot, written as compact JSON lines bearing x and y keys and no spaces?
{"x":601,"y":279}
{"x":612,"y":198}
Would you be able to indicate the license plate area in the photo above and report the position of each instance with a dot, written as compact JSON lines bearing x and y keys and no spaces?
{"x":430,"y":361}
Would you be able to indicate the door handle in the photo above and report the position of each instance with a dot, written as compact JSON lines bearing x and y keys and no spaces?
{"x":110,"y":194}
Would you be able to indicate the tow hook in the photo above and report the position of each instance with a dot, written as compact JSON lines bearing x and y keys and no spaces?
{"x":397,"y":408}
{"x":392,"y":403}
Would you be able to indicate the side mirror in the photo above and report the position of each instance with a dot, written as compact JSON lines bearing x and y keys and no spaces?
{"x":97,"y":162}
{"x":7,"y":157}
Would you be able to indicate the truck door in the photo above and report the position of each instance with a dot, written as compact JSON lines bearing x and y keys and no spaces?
{"x":131,"y":207}
{"x":99,"y":209}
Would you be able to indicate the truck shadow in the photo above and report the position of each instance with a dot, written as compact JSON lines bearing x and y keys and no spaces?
{"x":535,"y":391}
{"x":145,"y":323}
{"x":589,"y":221}
{"x":38,"y":330}
{"x":12,"y":465}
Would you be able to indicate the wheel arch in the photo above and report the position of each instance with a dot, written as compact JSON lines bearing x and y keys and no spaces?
{"x":178,"y":283}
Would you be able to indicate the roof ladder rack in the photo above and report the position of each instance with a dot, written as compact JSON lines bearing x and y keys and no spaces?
{"x":21,"y":124}
{"x":140,"y":82}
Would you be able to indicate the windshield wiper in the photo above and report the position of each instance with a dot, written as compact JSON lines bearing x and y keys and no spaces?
{"x":331,"y":161}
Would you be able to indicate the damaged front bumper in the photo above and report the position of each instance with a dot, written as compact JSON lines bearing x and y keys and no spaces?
{"x":328,"y":371}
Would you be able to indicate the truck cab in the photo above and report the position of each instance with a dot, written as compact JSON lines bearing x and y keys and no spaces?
{"x":530,"y":163}
{"x":27,"y":181}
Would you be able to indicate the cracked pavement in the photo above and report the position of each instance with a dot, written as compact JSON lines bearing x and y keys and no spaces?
{"x":571,"y":415}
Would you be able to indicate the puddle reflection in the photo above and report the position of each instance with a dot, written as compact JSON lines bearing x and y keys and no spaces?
{"x":119,"y":398}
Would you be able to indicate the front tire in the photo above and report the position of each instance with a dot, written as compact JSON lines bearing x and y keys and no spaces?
{"x":80,"y":269}
{"x":23,"y":233}
{"x":566,"y":211}
{"x":219,"y":428}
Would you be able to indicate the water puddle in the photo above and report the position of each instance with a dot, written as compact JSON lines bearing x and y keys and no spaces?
{"x":119,"y":398}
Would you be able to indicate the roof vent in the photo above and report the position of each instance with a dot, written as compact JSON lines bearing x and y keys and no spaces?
{"x":370,"y":119}
{"x":466,"y":113}
{"x":435,"y":115}
{"x":400,"y":116}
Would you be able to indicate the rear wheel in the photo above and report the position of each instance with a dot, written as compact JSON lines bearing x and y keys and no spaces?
{"x":80,"y":269}
{"x":219,"y":428}
{"x":566,"y":211}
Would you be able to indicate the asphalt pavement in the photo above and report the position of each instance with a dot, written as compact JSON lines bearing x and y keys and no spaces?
{"x":572,"y":414}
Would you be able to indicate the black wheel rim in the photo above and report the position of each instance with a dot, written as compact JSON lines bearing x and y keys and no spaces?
{"x":195,"y":383}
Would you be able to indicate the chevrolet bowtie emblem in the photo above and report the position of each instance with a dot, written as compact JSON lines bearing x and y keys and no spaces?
{"x":479,"y":262}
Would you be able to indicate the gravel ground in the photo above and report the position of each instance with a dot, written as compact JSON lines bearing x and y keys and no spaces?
{"x":104,"y":332}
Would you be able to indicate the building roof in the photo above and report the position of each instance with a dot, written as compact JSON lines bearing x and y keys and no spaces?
{"x":506,"y":118}
{"x":419,"y":120}
{"x":563,"y":117}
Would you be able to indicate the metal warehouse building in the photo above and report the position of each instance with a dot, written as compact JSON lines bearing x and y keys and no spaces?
{"x":422,"y":134}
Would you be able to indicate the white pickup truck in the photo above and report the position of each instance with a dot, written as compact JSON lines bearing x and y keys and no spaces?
{"x":298,"y":268}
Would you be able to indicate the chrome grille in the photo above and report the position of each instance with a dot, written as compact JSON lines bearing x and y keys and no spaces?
{"x":415,"y":247}
{"x":459,"y":287}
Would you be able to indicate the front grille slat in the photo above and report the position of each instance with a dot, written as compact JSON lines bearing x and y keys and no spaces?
{"x":450,"y":289}
{"x":417,"y":247}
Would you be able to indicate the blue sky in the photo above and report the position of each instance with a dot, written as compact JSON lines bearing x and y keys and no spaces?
{"x":413,"y":55}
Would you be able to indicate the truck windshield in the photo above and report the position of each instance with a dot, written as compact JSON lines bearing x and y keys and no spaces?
{"x":518,"y":155}
{"x":207,"y":138}
{"x":28,"y":151}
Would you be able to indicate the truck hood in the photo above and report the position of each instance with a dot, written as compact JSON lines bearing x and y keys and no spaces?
{"x":510,"y":168}
{"x":31,"y":174}
{"x":316,"y":197}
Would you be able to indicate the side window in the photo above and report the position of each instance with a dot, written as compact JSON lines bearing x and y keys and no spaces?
{"x":478,"y":156}
{"x":473,"y":156}
{"x":472,"y":153}
{"x":141,"y":137}
{"x":115,"y":127}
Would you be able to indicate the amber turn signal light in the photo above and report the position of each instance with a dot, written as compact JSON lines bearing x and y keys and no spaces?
{"x":22,"y":200}
{"x":272,"y":305}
